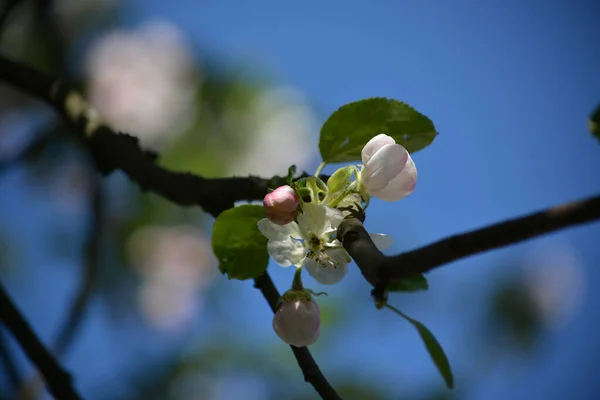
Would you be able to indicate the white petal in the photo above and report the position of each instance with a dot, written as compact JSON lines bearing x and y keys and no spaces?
{"x":329,"y":269}
{"x":401,"y":186}
{"x":286,"y":252}
{"x":278,"y":232}
{"x":384,"y":166}
{"x":375,"y":144}
{"x":381,"y":241}
{"x":318,"y":219}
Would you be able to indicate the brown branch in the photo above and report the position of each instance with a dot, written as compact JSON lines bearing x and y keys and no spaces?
{"x":310,"y":369}
{"x":112,"y":150}
{"x":57,"y":379}
{"x":381,"y":270}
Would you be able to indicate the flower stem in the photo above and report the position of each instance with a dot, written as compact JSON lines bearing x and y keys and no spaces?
{"x":297,"y":282}
{"x":320,"y":168}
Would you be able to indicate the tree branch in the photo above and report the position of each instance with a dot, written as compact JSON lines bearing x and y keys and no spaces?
{"x":310,"y":369}
{"x":380,"y":270}
{"x":58,"y":380}
{"x":112,"y":150}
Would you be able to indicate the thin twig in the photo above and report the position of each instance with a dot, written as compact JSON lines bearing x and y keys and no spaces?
{"x":9,"y":365}
{"x":308,"y":365}
{"x":57,"y":379}
{"x":67,"y":331}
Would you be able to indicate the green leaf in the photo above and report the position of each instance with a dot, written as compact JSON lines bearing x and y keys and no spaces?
{"x":594,"y":122}
{"x":340,"y":179}
{"x":238,"y":244}
{"x":412,"y":284}
{"x":433,"y":347}
{"x":348,"y":129}
{"x":290,"y":175}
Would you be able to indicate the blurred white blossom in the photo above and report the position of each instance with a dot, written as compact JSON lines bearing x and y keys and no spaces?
{"x":279,"y":129}
{"x":176,"y":264}
{"x":554,"y":279}
{"x":143,"y":82}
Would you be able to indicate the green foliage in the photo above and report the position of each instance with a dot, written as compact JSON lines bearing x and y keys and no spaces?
{"x":349,"y":128}
{"x":594,"y":122}
{"x":311,"y":189}
{"x":413,"y":284}
{"x":238,"y":244}
{"x":340,"y":179}
{"x":433,"y":347}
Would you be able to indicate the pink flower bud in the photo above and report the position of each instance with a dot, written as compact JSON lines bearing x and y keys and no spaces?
{"x":298,"y":322}
{"x":389,"y":172}
{"x":281,"y":205}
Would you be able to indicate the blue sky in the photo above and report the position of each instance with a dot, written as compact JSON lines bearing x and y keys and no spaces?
{"x":509,"y":87}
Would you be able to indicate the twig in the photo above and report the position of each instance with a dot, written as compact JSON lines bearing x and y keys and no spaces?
{"x":57,"y":379}
{"x":310,"y":369}
{"x":380,"y":270}
{"x":91,"y":258}
{"x":10,"y":366}
{"x":76,"y":310}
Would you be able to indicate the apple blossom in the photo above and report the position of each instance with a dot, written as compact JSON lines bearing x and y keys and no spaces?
{"x":389,"y":172}
{"x":281,"y":204}
{"x":310,"y":243}
{"x":297,"y":321}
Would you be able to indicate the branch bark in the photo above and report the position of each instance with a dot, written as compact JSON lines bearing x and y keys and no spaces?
{"x":57,"y":379}
{"x":381,"y":270}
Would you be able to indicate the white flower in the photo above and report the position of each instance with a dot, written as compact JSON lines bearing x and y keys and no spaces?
{"x":389,"y":172}
{"x":310,"y":243}
{"x":298,"y":322}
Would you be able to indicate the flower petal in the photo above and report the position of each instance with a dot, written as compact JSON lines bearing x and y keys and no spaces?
{"x":286,"y":252}
{"x":273,"y":231}
{"x":319,"y":219}
{"x":375,"y":144}
{"x":381,"y":241}
{"x":401,"y":186}
{"x":327,"y":268}
{"x":384,"y":166}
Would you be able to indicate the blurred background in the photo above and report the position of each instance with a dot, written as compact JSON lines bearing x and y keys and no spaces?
{"x":123,"y":285}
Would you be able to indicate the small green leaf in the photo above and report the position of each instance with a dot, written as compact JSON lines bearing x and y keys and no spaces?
{"x":340,"y":179}
{"x":348,"y":129}
{"x":238,"y":244}
{"x":594,"y":122}
{"x":290,"y":175}
{"x":433,"y":347}
{"x":412,"y":284}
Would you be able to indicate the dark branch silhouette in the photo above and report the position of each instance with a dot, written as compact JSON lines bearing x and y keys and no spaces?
{"x":57,"y":379}
{"x":380,"y":270}
{"x":8,"y":364}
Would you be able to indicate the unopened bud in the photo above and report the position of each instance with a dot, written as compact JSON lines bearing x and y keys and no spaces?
{"x":281,"y":205}
{"x":298,"y":322}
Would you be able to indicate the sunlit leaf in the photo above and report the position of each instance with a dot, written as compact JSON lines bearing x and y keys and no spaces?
{"x":349,"y":128}
{"x":238,"y":244}
{"x":433,"y":347}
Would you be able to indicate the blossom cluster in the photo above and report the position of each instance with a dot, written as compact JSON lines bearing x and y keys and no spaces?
{"x":302,"y":222}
